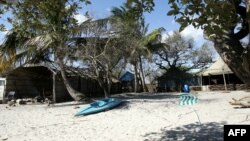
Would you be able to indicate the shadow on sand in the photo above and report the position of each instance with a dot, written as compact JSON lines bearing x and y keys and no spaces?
{"x":147,"y":96}
{"x":66,"y":104}
{"x":211,"y":131}
{"x":130,"y":98}
{"x":127,"y":98}
{"x":207,"y":101}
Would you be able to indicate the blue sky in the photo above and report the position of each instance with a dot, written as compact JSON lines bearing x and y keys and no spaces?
{"x":155,"y":19}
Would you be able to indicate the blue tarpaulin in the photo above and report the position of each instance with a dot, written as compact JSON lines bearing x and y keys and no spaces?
{"x":128,"y":76}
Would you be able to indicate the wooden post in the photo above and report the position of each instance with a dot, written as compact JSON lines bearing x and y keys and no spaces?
{"x":54,"y":87}
{"x":225,"y":83}
{"x":209,"y":83}
{"x":201,"y":80}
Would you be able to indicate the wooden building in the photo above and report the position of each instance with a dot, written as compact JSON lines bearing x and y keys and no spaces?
{"x":174,"y":79}
{"x":43,"y":81}
{"x":127,"y":80}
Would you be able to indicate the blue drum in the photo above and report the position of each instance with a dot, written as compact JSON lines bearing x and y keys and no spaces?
{"x":185,"y":88}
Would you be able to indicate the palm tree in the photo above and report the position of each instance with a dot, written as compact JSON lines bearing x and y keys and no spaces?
{"x":130,"y":26}
{"x":16,"y":51}
{"x":40,"y":27}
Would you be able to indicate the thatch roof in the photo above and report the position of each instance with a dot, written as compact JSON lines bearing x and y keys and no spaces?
{"x":218,"y":68}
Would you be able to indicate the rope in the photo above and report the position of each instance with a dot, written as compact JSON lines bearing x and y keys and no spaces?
{"x":197,"y":116}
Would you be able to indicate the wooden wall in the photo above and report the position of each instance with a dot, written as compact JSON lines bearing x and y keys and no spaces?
{"x":29,"y":82}
{"x":230,"y":87}
{"x":221,"y":87}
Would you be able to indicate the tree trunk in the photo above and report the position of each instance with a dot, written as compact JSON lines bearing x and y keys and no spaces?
{"x":136,"y":78}
{"x":106,"y":92}
{"x":144,"y":87}
{"x":139,"y":81}
{"x":103,"y":78}
{"x":77,"y":96}
{"x":54,"y":88}
{"x":235,"y":56}
{"x":109,"y":87}
{"x":109,"y":81}
{"x":248,"y":12}
{"x":105,"y":87}
{"x":231,"y":50}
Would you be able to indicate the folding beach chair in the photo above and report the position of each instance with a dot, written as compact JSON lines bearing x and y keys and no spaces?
{"x":187,"y":99}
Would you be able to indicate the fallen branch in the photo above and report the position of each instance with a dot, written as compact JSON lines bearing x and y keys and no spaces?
{"x":243,"y":102}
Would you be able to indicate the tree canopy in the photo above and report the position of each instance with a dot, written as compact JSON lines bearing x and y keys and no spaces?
{"x":39,"y":27}
{"x":220,"y":27}
{"x":178,"y":52}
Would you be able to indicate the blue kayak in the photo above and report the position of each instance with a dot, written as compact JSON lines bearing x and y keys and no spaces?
{"x":99,"y":106}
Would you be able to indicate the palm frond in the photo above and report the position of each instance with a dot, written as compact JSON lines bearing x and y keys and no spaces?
{"x":155,"y":35}
{"x":22,"y":50}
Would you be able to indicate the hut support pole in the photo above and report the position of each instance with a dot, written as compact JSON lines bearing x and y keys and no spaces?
{"x":209,"y":79}
{"x":224,"y":79}
{"x":54,"y":87}
{"x":201,"y":80}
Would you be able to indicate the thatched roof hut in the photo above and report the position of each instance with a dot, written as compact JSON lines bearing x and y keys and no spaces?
{"x":217,"y":68}
{"x":220,"y":77}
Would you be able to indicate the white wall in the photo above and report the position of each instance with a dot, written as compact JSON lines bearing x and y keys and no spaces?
{"x":2,"y":86}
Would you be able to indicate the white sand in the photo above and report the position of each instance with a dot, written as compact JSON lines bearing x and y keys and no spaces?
{"x":142,"y":117}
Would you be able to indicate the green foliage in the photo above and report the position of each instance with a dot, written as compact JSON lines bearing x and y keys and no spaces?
{"x":2,"y":27}
{"x":3,"y":9}
{"x":86,"y":1}
{"x":219,"y":19}
{"x":142,"y":5}
{"x":214,"y":16}
{"x":131,"y":29}
{"x":207,"y":14}
{"x":48,"y":27}
{"x":154,"y":34}
{"x":39,"y":27}
{"x":153,"y":39}
{"x":35,"y":17}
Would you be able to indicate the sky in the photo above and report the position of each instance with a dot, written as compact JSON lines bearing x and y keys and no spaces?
{"x":157,"y":18}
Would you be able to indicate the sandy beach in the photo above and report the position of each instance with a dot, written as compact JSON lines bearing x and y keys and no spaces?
{"x":141,"y":117}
